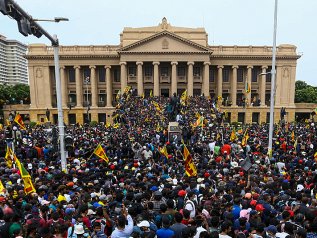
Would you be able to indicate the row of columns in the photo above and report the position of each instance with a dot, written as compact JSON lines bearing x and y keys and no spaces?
{"x":156,"y":80}
{"x":233,"y":83}
{"x":156,"y":91}
{"x":79,"y":86}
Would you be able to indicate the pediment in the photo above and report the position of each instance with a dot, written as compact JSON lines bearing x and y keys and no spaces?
{"x":165,"y":42}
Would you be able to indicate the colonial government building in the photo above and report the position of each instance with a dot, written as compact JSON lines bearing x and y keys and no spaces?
{"x":166,"y":60}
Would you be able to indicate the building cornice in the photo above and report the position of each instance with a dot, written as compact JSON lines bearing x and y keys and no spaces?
{"x":295,"y":57}
{"x":61,"y":57}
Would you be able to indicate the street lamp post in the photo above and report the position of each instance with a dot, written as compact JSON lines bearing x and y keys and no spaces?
{"x":28,"y":26}
{"x":273,"y":73}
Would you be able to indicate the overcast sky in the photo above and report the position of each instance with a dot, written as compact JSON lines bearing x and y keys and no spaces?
{"x":227,"y":22}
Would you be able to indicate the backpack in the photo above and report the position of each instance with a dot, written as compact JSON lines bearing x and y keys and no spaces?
{"x":192,"y":204}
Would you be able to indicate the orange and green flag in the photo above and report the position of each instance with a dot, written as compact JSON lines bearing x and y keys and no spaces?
{"x":247,"y":87}
{"x":19,"y":121}
{"x":26,"y":177}
{"x":99,"y":151}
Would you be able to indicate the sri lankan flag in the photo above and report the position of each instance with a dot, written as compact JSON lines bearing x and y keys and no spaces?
{"x":8,"y":157}
{"x":19,"y":121}
{"x":26,"y":177}
{"x":199,"y":122}
{"x":2,"y":188}
{"x":101,"y":153}
{"x":245,"y":138}
{"x":190,"y":167}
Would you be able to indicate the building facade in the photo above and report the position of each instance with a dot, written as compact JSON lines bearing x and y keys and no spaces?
{"x":166,"y":60}
{"x":13,"y":65}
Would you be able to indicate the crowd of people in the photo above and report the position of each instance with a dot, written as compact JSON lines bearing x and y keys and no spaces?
{"x":240,"y":189}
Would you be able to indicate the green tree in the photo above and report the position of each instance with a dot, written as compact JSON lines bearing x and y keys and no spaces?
{"x":13,"y":94}
{"x":305,"y":93}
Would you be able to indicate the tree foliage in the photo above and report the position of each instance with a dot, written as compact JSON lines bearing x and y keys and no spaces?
{"x":14,"y":94}
{"x":305,"y":93}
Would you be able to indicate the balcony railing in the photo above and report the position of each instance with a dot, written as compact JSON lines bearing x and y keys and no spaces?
{"x":197,"y":79}
{"x":132,"y":79}
{"x":148,"y":79}
{"x":165,"y":79}
{"x":181,"y":79}
{"x":101,"y":104}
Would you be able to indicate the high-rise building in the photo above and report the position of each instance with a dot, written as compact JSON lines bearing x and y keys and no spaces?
{"x":163,"y":59}
{"x":13,"y":64}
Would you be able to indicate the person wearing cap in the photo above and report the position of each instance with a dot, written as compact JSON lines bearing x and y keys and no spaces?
{"x":271,"y":231}
{"x":145,"y":230}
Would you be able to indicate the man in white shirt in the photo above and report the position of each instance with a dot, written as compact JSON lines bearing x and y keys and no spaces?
{"x":122,"y":230}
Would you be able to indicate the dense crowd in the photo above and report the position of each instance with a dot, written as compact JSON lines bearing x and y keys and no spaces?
{"x":239,"y":190}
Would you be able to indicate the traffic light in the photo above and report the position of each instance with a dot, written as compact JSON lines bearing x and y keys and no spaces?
{"x":36,"y":32}
{"x":24,"y":26}
{"x":4,"y":7}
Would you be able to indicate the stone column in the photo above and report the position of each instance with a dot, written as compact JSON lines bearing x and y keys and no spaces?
{"x":219,"y":81}
{"x":234,"y":86}
{"x":156,"y":91}
{"x":109,"y":86}
{"x":249,"y":78}
{"x":190,"y":76}
{"x":123,"y":76}
{"x":140,"y":78}
{"x":174,"y":79}
{"x":64,"y":87}
{"x":263,"y":85}
{"x":206,"y":80}
{"x":93,"y":85}
{"x":79,"y":87}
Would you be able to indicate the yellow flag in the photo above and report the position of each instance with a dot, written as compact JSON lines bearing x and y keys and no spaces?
{"x":293,"y":136}
{"x":163,"y":151}
{"x":101,"y":153}
{"x":108,"y":124}
{"x":45,"y":120}
{"x":1,"y":127}
{"x":116,"y":125}
{"x":183,"y":98}
{"x":233,"y":135}
{"x":151,"y":93}
{"x":28,"y":185}
{"x":8,"y":157}
{"x":2,"y":188}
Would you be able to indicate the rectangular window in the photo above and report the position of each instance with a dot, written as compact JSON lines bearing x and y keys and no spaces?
{"x":241,"y":117}
{"x":86,"y":74}
{"x":212,"y":74}
{"x":148,"y":71}
{"x":71,"y":75}
{"x":116,"y":75}
{"x":268,"y":75}
{"x":164,"y":71}
{"x":240,"y":75}
{"x":102,"y":74}
{"x":255,"y":74}
{"x":132,"y":71}
{"x":226,"y":74}
{"x":180,"y":71}
{"x":196,"y":71}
